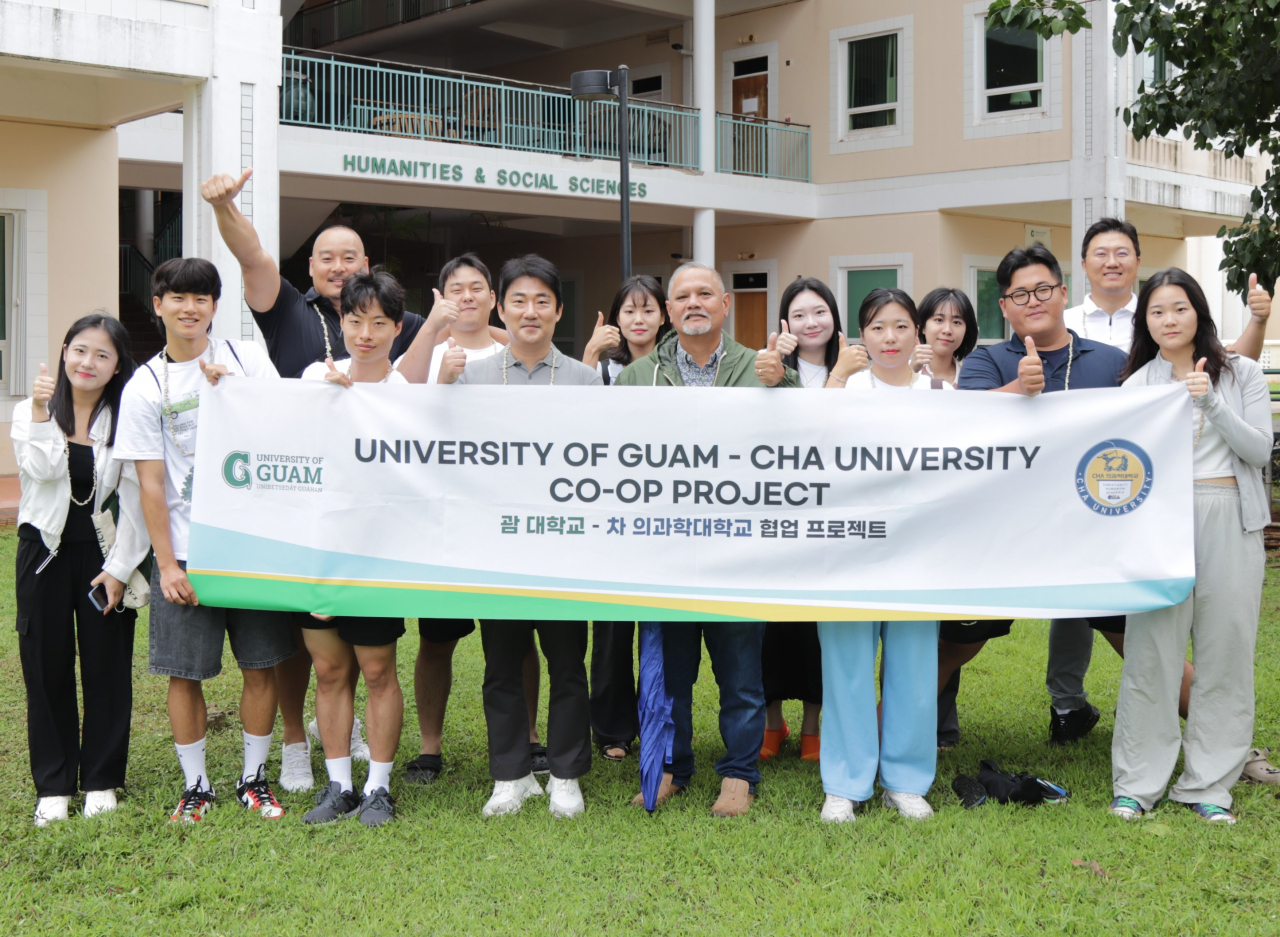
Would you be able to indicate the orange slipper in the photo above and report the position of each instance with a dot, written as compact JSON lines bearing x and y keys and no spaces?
{"x":809,"y":747}
{"x":773,"y":739}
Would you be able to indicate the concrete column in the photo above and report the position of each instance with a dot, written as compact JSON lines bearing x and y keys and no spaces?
{"x":1098,"y":137}
{"x":704,"y":79}
{"x":231,"y":123}
{"x":704,"y":236}
{"x":144,"y":222}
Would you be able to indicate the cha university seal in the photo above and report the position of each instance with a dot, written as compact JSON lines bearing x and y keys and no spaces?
{"x":1114,"y":477}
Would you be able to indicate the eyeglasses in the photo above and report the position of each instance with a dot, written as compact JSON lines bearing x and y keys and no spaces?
{"x":1022,"y":297}
{"x":1121,"y":254}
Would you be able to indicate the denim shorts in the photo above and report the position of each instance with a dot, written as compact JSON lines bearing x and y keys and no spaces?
{"x":186,"y":640}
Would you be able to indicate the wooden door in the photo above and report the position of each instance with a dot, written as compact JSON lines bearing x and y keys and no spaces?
{"x":751,"y":96}
{"x":750,"y":99}
{"x":751,"y":319}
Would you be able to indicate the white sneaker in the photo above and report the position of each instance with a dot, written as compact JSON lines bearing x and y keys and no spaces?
{"x":911,"y":806}
{"x":96,"y":802}
{"x":359,"y":748}
{"x":837,"y":809}
{"x":49,"y":809}
{"x":566,"y":797}
{"x":295,"y":767}
{"x":509,"y":796}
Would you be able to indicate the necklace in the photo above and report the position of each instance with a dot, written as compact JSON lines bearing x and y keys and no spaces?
{"x":381,"y":380}
{"x":167,"y":408}
{"x":820,"y":374}
{"x":324,"y":326}
{"x":1071,"y":344}
{"x":1200,"y":425}
{"x":66,"y":448}
{"x":554,"y":362}
{"x":874,"y":382}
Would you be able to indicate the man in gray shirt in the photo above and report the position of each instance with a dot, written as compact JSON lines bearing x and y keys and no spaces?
{"x":529,"y":302}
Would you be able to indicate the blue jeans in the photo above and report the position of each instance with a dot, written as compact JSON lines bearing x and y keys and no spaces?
{"x":903,"y":750}
{"x":735,"y":660}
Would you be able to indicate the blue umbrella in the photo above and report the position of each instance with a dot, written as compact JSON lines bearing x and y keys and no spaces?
{"x":657,"y":729}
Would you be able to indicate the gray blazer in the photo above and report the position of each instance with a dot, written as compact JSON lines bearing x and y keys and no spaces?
{"x":1240,"y":409}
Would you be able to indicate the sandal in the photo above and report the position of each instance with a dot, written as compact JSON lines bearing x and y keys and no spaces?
{"x":623,"y":747}
{"x":773,"y":739}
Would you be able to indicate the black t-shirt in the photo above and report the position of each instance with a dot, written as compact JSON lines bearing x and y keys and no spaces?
{"x":79,"y":527}
{"x":295,"y":333}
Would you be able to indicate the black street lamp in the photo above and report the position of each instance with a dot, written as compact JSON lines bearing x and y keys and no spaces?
{"x":602,"y":85}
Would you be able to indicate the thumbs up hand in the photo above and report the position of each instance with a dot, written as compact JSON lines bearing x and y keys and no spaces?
{"x":444,"y":312}
{"x":452,"y":364}
{"x":213,"y":372}
{"x":603,"y":337}
{"x":1031,"y":370}
{"x":852,"y":359}
{"x":334,"y":376}
{"x":769,"y":368}
{"x":221,"y":189}
{"x":41,"y":393}
{"x":787,"y":340}
{"x":1198,"y":380}
{"x":1259,"y":299}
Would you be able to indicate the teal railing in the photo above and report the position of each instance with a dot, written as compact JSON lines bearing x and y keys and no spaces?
{"x":135,"y":274}
{"x":320,"y":89}
{"x":169,"y":241}
{"x":328,"y":23}
{"x":771,"y":149}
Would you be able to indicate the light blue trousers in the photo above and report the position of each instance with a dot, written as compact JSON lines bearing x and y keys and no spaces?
{"x":903,"y":749}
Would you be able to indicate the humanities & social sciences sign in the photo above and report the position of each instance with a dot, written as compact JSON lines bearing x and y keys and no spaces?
{"x":507,"y":178}
{"x":710,"y":504}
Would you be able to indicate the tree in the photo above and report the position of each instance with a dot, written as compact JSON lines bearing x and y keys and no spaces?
{"x":1225,"y":94}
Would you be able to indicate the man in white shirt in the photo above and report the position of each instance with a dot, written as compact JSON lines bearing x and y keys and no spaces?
{"x":159,"y":415}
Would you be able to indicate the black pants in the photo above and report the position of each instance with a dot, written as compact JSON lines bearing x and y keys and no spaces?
{"x":948,"y":717}
{"x":564,"y":645}
{"x":791,"y":662}
{"x":614,"y":718}
{"x":53,"y":612}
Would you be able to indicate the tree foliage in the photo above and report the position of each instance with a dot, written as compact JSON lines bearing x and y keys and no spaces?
{"x":1225,"y":93}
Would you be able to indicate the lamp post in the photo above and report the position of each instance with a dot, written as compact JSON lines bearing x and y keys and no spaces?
{"x":602,"y":85}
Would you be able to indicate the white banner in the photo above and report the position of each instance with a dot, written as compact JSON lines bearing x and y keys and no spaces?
{"x":690,"y":504}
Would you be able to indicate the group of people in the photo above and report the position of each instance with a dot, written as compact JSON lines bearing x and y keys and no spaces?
{"x":106,"y":458}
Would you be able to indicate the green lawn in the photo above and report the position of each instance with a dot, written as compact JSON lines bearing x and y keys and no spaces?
{"x":442,"y":870}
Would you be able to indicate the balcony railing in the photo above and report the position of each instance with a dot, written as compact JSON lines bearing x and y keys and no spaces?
{"x":771,"y":149}
{"x":328,"y":23}
{"x":365,"y":96}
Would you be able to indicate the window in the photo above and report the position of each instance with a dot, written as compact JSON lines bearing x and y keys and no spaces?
{"x":991,"y":322}
{"x":756,"y":66}
{"x":1014,"y":70}
{"x":642,"y":87}
{"x":873,"y":82}
{"x":858,"y":284}
{"x":1153,"y":68}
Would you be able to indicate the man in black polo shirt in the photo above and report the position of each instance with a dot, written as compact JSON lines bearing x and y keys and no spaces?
{"x":1043,"y":356}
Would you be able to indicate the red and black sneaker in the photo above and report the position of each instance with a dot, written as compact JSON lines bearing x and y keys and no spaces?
{"x":195,"y":803}
{"x":255,"y":794}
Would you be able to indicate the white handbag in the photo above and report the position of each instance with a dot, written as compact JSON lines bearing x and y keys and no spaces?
{"x":137,"y":591}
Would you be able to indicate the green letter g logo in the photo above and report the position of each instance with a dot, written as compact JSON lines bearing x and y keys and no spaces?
{"x":235,"y":470}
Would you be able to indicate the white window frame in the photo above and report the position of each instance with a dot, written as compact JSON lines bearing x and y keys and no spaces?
{"x":978,"y":123}
{"x":661,"y":70}
{"x":727,"y":268}
{"x":844,"y":140}
{"x":26,"y":213}
{"x":839,"y":266}
{"x":973,"y":263}
{"x":759,"y":50}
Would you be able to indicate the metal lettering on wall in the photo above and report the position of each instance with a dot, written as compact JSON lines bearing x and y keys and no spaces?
{"x":518,"y":179}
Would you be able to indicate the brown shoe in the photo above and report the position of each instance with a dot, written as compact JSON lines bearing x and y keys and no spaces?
{"x":666,"y":791}
{"x":734,"y":800}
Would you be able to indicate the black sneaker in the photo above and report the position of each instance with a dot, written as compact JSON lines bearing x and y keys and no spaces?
{"x":377,"y":808}
{"x":195,"y":803}
{"x":332,"y":804}
{"x":969,"y":790}
{"x":1072,"y":726}
{"x":424,"y":769}
{"x":538,"y":755}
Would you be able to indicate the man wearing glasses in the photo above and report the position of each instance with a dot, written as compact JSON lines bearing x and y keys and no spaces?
{"x":1042,"y":356}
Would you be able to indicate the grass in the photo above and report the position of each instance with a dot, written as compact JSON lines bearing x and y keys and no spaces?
{"x":440,"y":869}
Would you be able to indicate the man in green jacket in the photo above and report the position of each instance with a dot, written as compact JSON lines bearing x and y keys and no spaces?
{"x":698,"y":354}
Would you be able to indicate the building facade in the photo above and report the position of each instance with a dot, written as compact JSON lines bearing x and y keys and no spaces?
{"x":900,"y":142}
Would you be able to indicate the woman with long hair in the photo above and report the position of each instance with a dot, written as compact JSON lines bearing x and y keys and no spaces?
{"x":948,"y":332}
{"x":1175,"y":341}
{"x":900,"y":746}
{"x":636,"y":321}
{"x":63,"y":435}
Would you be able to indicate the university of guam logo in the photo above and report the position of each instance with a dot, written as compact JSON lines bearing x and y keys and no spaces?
{"x":1114,"y":477}
{"x":235,"y":470}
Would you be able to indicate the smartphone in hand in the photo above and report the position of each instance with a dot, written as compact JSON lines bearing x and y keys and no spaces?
{"x":98,"y":596}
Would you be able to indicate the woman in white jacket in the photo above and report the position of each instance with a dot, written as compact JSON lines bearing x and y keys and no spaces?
{"x":62,"y":437}
{"x":1174,"y":340}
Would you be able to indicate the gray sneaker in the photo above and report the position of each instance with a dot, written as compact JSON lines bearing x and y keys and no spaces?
{"x":332,"y":804}
{"x":377,"y":808}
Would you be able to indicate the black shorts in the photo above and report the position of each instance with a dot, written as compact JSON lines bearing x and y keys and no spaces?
{"x":445,"y":630}
{"x":1113,"y":624}
{"x":973,"y":632}
{"x":356,"y":629}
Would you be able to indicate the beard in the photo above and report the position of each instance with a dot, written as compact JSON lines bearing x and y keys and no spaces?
{"x":701,"y":327}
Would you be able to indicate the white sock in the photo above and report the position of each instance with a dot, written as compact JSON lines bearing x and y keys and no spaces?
{"x":379,"y":776}
{"x":256,"y":750}
{"x":340,"y":770}
{"x":1062,"y":712}
{"x":191,"y":758}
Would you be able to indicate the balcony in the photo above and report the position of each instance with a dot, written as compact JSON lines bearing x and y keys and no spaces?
{"x":770,"y":149}
{"x":328,"y":23}
{"x":366,"y":96}
{"x":1181,"y":156}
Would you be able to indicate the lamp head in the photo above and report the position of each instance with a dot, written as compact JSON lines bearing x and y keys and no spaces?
{"x":592,"y":85}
